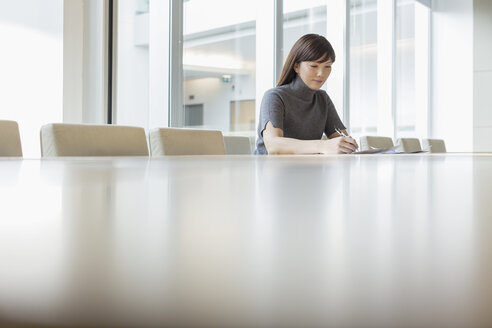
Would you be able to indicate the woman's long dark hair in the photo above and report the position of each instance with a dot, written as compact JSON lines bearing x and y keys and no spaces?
{"x":310,"y":47}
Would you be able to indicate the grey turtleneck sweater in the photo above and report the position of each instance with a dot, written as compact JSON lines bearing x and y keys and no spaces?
{"x":301,"y":112}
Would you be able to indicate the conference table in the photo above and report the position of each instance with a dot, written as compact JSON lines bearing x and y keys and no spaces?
{"x":247,"y":241}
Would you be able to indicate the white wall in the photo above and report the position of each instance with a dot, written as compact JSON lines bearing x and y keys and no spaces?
{"x":31,"y":66}
{"x":482,"y":76}
{"x":452,"y":68}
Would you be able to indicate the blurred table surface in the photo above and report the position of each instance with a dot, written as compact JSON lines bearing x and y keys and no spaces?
{"x":250,"y":241}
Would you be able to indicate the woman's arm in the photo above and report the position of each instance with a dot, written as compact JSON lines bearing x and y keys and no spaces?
{"x":276,"y":143}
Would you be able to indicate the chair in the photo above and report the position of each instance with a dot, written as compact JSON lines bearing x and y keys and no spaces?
{"x":408,"y":145}
{"x":252,"y":143}
{"x":10,"y":143}
{"x":59,"y":139}
{"x":173,"y":141}
{"x":237,"y":145}
{"x":371,"y":142}
{"x":433,"y":145}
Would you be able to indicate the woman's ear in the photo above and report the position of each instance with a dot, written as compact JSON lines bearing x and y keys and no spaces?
{"x":296,"y":68}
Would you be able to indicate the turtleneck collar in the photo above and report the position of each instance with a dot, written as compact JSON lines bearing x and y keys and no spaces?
{"x":300,"y":89}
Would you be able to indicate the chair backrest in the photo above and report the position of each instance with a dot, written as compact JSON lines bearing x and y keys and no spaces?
{"x":433,"y":145}
{"x":252,"y":143}
{"x":58,"y":139}
{"x":10,"y":143}
{"x":173,"y":141}
{"x":371,"y":142}
{"x":408,"y":145}
{"x":237,"y":145}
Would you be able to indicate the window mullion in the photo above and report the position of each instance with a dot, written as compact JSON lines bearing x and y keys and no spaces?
{"x":279,"y":38}
{"x":346,"y":65}
{"x":266,"y":43}
{"x":176,"y":114}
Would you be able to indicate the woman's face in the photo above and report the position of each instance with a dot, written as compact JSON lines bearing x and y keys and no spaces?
{"x":314,"y":74}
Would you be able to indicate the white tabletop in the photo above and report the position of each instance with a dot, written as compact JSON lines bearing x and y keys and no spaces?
{"x":221,"y":241}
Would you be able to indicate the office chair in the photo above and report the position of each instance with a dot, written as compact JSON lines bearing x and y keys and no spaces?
{"x":433,"y":145}
{"x":371,"y":142}
{"x":10,"y":143}
{"x":59,"y":139}
{"x":174,"y":141}
{"x":408,"y":145}
{"x":237,"y":145}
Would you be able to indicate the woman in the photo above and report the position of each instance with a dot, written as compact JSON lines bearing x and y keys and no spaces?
{"x":295,"y":114}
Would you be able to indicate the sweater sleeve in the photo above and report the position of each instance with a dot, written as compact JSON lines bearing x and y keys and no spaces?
{"x":272,"y":110}
{"x":332,"y":120}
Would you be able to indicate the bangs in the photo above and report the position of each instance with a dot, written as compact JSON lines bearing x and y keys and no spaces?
{"x":323,"y":58}
{"x":318,"y":51}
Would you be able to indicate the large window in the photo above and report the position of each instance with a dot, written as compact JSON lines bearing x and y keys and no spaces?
{"x":203,"y":64}
{"x":218,"y":71}
{"x":31,"y":66}
{"x":389,"y":68}
{"x":219,"y":66}
{"x":384,"y":95}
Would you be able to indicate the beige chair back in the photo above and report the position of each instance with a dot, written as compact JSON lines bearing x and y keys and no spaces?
{"x":252,"y":143}
{"x":59,"y":139}
{"x":371,"y":142}
{"x":237,"y":145}
{"x":408,"y":145}
{"x":434,"y":145}
{"x":173,"y":141}
{"x":10,"y":143}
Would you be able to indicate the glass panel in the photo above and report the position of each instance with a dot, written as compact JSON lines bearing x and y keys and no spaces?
{"x":411,"y":54}
{"x":405,"y":68}
{"x":303,"y":17}
{"x":219,"y":63}
{"x":31,"y":66}
{"x":363,"y":67}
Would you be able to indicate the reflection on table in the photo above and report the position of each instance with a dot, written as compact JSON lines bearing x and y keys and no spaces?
{"x":342,"y":241}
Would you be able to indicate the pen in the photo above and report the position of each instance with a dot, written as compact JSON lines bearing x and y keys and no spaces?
{"x":340,"y":132}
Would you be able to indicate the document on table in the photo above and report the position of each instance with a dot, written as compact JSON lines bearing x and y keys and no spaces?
{"x":392,"y":150}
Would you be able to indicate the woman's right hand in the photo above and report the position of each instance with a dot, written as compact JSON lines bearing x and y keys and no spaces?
{"x":339,"y":145}
{"x":276,"y":143}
